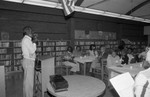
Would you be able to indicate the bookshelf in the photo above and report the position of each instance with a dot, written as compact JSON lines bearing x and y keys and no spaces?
{"x":11,"y":54}
{"x":85,"y":44}
{"x":5,"y":55}
{"x":17,"y":56}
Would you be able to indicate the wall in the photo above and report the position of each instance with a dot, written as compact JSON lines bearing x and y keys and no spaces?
{"x":125,"y":29}
{"x":50,"y":23}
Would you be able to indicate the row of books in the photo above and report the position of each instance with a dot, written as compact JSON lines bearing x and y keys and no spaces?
{"x":60,"y":43}
{"x":17,"y":50}
{"x":17,"y":44}
{"x":5,"y":57}
{"x":18,"y":56}
{"x":17,"y":62}
{"x":61,"y":48}
{"x":4,"y":44}
{"x":48,"y":49}
{"x":95,"y":42}
{"x":3,"y":51}
{"x":48,"y":43}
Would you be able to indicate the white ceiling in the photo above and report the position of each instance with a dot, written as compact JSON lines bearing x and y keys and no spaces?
{"x":116,"y":6}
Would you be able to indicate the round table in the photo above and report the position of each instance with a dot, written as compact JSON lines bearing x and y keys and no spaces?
{"x":80,"y":86}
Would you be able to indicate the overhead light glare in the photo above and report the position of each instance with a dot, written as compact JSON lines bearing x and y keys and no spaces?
{"x":138,"y":19}
{"x":41,"y":3}
{"x":146,"y":21}
{"x":111,"y":14}
{"x":17,"y":1}
{"x":126,"y":17}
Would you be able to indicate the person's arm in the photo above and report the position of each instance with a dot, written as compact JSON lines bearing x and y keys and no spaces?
{"x":140,"y":81}
{"x":109,"y":63}
{"x":30,"y":46}
{"x":140,"y":55}
{"x":148,"y":57}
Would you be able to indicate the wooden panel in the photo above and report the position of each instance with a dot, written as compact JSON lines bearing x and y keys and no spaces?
{"x":46,"y":25}
{"x":86,"y":24}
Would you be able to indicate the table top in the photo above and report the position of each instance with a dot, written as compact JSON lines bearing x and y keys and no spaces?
{"x":133,"y":69}
{"x":85,"y":59}
{"x":80,"y":86}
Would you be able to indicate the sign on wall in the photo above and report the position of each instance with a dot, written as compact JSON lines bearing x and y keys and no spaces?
{"x":81,"y":34}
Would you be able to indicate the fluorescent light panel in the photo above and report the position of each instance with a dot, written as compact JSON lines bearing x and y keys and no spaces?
{"x":79,"y":9}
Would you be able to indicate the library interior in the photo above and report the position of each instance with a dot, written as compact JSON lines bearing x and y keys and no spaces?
{"x":74,"y":48}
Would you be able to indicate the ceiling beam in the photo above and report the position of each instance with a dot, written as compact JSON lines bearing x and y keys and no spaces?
{"x":138,"y":7}
{"x":79,"y":2}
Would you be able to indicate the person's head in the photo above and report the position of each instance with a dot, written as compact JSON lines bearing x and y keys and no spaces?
{"x":123,"y":52}
{"x":113,"y":53}
{"x":69,"y":49}
{"x":27,"y":31}
{"x":92,"y":47}
{"x":146,"y":48}
{"x":78,"y":48}
{"x":130,"y":50}
{"x":103,"y":48}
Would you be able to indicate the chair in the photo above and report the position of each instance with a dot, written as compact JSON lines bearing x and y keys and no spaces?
{"x":97,"y":71}
{"x":62,"y":67}
{"x":102,"y":70}
{"x":123,"y":84}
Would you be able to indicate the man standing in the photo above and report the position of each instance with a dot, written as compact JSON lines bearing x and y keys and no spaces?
{"x":28,"y":52}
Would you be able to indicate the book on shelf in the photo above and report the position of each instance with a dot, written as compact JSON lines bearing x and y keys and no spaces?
{"x":5,"y":57}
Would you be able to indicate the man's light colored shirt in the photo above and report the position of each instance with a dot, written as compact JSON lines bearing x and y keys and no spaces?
{"x":28,"y":48}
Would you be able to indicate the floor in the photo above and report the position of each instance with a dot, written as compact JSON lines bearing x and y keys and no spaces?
{"x":14,"y":87}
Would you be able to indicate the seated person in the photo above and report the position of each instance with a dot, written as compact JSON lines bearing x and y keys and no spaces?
{"x":102,"y":55}
{"x":77,"y":52}
{"x":135,"y":54}
{"x":124,"y":58}
{"x":130,"y":56}
{"x":142,"y":84}
{"x":92,"y":50}
{"x":113,"y":59}
{"x":142,"y":55}
{"x":146,"y":63}
{"x":67,"y":59}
